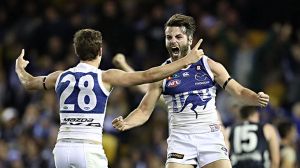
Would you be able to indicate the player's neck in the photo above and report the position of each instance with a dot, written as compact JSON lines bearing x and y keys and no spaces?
{"x":253,"y":119}
{"x":95,"y":62}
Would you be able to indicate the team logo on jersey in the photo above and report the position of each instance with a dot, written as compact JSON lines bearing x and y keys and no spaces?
{"x":200,"y":101}
{"x":202,"y":78}
{"x":214,"y":127}
{"x":173,"y":83}
{"x":175,"y":76}
{"x":186,"y":74}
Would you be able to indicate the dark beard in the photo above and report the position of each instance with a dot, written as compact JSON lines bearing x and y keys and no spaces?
{"x":184,"y":51}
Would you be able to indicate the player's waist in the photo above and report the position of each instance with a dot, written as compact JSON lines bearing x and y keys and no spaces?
{"x":85,"y":141}
{"x":78,"y":132}
{"x":196,"y":128}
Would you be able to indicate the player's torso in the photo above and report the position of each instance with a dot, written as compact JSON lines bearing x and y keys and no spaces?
{"x":190,"y":97}
{"x":82,"y":103}
{"x":248,"y":146}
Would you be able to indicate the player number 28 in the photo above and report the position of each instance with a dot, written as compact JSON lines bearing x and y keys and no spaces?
{"x":85,"y":84}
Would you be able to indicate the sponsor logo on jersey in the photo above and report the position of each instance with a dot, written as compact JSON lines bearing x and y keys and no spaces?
{"x":198,"y":67}
{"x":202,"y":78}
{"x":175,"y":156}
{"x":173,"y":83}
{"x":78,"y":119}
{"x":80,"y":122}
{"x":186,"y":74}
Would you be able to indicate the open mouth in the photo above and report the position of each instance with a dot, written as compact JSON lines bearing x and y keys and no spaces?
{"x":175,"y":50}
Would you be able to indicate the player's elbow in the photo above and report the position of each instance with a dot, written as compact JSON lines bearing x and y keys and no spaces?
{"x":31,"y":84}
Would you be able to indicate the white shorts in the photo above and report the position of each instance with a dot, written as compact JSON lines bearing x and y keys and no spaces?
{"x":79,"y":154}
{"x":196,"y":149}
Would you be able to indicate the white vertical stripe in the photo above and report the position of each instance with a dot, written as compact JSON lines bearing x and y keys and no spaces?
{"x":207,"y":67}
{"x":105,"y":91}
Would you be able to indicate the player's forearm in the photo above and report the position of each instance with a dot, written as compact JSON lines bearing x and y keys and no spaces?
{"x":161,"y":72}
{"x":136,"y":118}
{"x":140,"y":88}
{"x":248,"y":97}
{"x":30,"y":82}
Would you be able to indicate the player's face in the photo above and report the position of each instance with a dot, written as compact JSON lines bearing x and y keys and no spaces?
{"x":177,"y":42}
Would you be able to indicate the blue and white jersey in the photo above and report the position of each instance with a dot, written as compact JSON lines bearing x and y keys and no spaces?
{"x":82,"y":103}
{"x":190,"y":97}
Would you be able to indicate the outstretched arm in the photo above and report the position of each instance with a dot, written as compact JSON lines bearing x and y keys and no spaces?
{"x":120,"y":78}
{"x":234,"y":88}
{"x":31,"y":82}
{"x":142,"y":113}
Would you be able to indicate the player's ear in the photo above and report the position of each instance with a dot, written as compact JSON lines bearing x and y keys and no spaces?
{"x":100,"y":52}
{"x":75,"y":50}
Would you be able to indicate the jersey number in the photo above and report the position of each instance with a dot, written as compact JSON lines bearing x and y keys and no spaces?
{"x":86,"y":85}
{"x":245,"y":138}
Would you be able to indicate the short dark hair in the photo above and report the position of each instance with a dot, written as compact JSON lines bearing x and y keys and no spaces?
{"x":179,"y":20}
{"x":247,"y":111}
{"x":87,"y":43}
{"x":284,"y":127}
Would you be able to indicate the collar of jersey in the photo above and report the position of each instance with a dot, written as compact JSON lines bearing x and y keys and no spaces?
{"x":85,"y":65}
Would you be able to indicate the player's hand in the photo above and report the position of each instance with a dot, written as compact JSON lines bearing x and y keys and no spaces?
{"x":263,"y":99}
{"x":119,"y":124}
{"x":21,"y":63}
{"x":119,"y":60}
{"x":195,"y":54}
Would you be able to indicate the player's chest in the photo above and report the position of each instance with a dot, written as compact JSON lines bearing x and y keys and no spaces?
{"x":188,"y":80}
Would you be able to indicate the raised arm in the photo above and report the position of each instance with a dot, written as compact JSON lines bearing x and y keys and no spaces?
{"x":142,"y":113}
{"x":120,"y":62}
{"x":34,"y":82}
{"x":120,"y":78}
{"x":273,"y":141}
{"x":234,"y":88}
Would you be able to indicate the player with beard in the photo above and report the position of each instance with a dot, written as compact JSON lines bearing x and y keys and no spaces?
{"x":195,"y":138}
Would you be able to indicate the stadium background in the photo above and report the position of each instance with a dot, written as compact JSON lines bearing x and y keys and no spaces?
{"x":257,"y":41}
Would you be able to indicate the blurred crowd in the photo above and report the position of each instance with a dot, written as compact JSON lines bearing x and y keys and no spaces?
{"x":257,"y":41}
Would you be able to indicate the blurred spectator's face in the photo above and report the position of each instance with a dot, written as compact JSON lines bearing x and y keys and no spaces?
{"x":177,"y":42}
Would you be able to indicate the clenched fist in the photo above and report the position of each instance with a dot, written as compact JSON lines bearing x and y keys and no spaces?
{"x":119,"y":124}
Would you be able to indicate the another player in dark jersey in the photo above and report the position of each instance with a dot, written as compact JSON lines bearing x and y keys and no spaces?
{"x":253,"y":145}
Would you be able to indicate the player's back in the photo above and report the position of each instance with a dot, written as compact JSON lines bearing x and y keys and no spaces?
{"x":249,"y":147}
{"x":82,"y":103}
